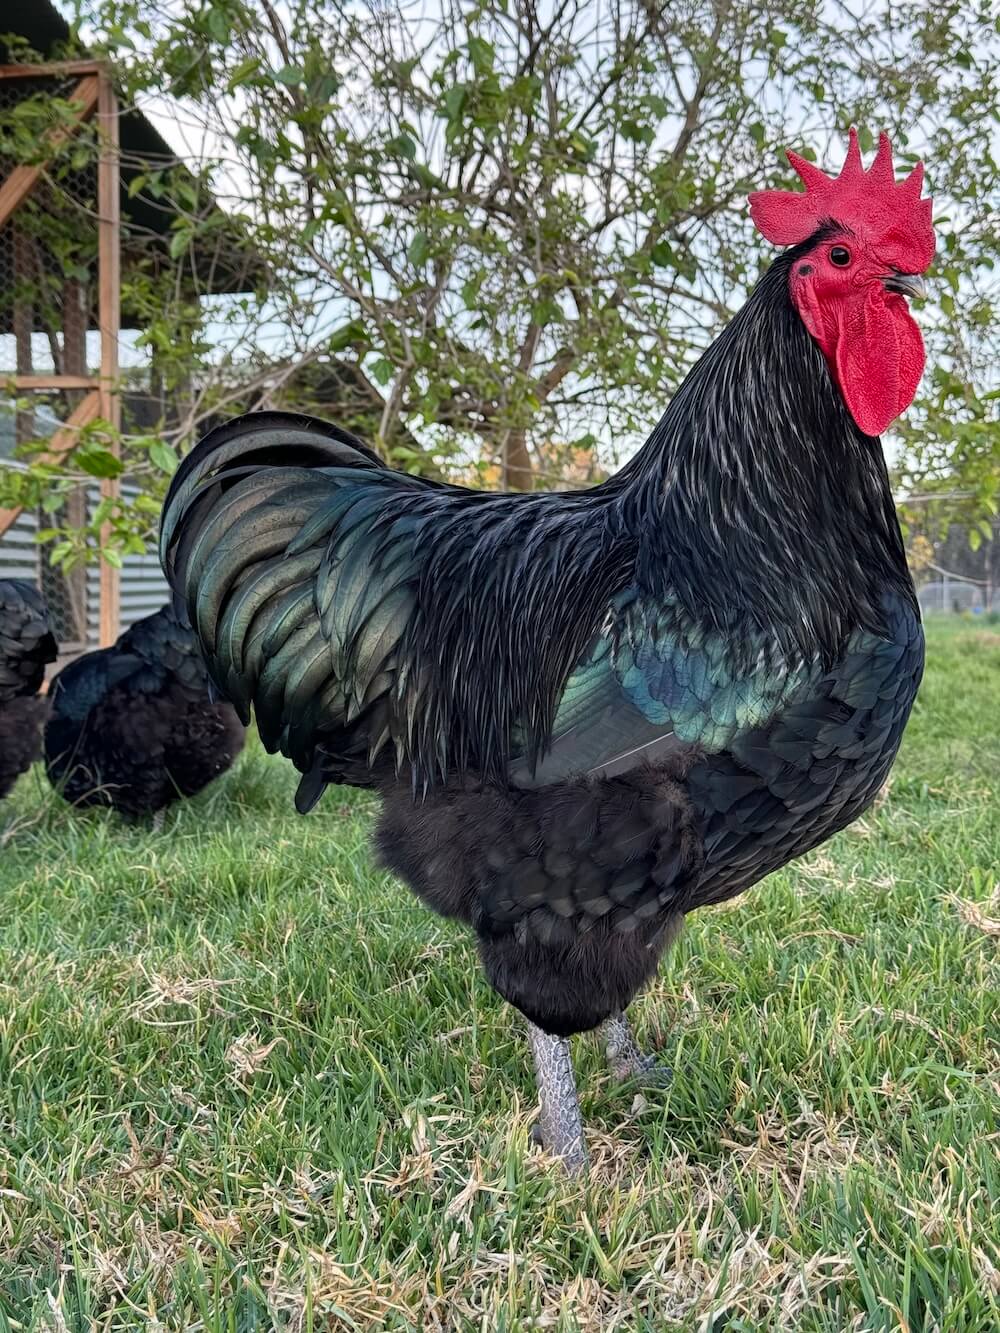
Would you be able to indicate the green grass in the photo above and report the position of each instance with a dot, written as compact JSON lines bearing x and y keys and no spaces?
{"x":247,"y":1082}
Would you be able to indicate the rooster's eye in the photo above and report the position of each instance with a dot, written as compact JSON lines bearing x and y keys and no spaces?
{"x":840,"y":256}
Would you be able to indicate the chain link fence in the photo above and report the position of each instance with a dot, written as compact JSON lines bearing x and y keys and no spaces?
{"x":955,"y":562}
{"x":953,"y":595}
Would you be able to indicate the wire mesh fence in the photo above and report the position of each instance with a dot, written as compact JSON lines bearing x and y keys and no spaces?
{"x":954,"y":556}
{"x":48,"y":244}
{"x":72,"y":274}
{"x":957,"y":596}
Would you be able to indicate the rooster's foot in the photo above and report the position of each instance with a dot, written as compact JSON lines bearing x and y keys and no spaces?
{"x":627,"y":1061}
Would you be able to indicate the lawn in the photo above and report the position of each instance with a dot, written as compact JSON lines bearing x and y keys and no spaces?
{"x":247,"y":1082}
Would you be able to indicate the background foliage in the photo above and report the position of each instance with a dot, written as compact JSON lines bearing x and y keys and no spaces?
{"x":496,"y":236}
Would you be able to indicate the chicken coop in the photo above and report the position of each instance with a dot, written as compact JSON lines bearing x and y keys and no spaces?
{"x":72,"y":223}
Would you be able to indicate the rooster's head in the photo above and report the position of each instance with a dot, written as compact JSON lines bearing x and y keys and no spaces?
{"x":865,"y":240}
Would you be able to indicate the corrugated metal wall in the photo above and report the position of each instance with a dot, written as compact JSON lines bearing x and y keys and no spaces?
{"x":18,"y":549}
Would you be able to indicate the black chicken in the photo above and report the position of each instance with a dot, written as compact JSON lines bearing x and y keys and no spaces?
{"x":589,"y":714}
{"x":135,"y":726}
{"x":26,"y":648}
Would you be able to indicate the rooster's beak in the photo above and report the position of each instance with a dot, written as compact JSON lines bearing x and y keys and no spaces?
{"x":907,"y":284}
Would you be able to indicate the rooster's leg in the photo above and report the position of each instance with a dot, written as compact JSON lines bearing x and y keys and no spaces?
{"x":159,"y":816}
{"x":625,"y":1057}
{"x":562,"y":1129}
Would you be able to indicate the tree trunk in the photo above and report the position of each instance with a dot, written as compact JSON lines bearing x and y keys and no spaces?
{"x":517,"y":470}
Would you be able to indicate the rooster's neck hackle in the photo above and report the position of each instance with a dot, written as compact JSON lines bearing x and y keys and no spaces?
{"x":758,"y":496}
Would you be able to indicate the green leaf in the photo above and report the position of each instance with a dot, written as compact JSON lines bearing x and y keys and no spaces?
{"x":180,"y":241}
{"x":97,"y":461}
{"x":163,"y":457}
{"x":470,"y":291}
{"x":111,"y":557}
{"x":662,"y":255}
{"x":582,"y":148}
{"x":636,"y":133}
{"x":454,"y":100}
{"x":482,"y":55}
{"x":545,"y":312}
{"x":420,"y":248}
{"x":218,"y":24}
{"x":402,"y":146}
{"x":348,"y":335}
{"x":292,"y":76}
{"x":243,"y":71}
{"x":322,"y":90}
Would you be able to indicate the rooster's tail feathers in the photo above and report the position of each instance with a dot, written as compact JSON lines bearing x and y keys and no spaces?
{"x":237,"y":449}
{"x":244,"y":530}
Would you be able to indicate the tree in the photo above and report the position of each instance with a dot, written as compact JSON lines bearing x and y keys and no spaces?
{"x":522,"y":221}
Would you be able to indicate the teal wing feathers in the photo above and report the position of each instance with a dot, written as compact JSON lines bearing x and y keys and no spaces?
{"x":651,"y":685}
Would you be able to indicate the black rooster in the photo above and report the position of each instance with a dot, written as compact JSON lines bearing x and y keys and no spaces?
{"x":135,"y":726}
{"x":26,"y":648}
{"x":589,"y":714}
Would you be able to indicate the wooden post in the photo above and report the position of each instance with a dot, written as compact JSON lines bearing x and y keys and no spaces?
{"x":108,"y":317}
{"x":74,"y":362}
{"x":24,"y":312}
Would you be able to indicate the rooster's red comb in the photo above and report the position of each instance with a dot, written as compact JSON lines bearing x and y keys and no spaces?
{"x":891,"y":217}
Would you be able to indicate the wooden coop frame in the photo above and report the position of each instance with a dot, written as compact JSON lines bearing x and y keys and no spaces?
{"x":93,"y":95}
{"x":130,"y":226}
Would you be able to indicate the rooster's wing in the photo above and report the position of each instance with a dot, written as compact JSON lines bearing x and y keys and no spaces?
{"x":652,"y":685}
